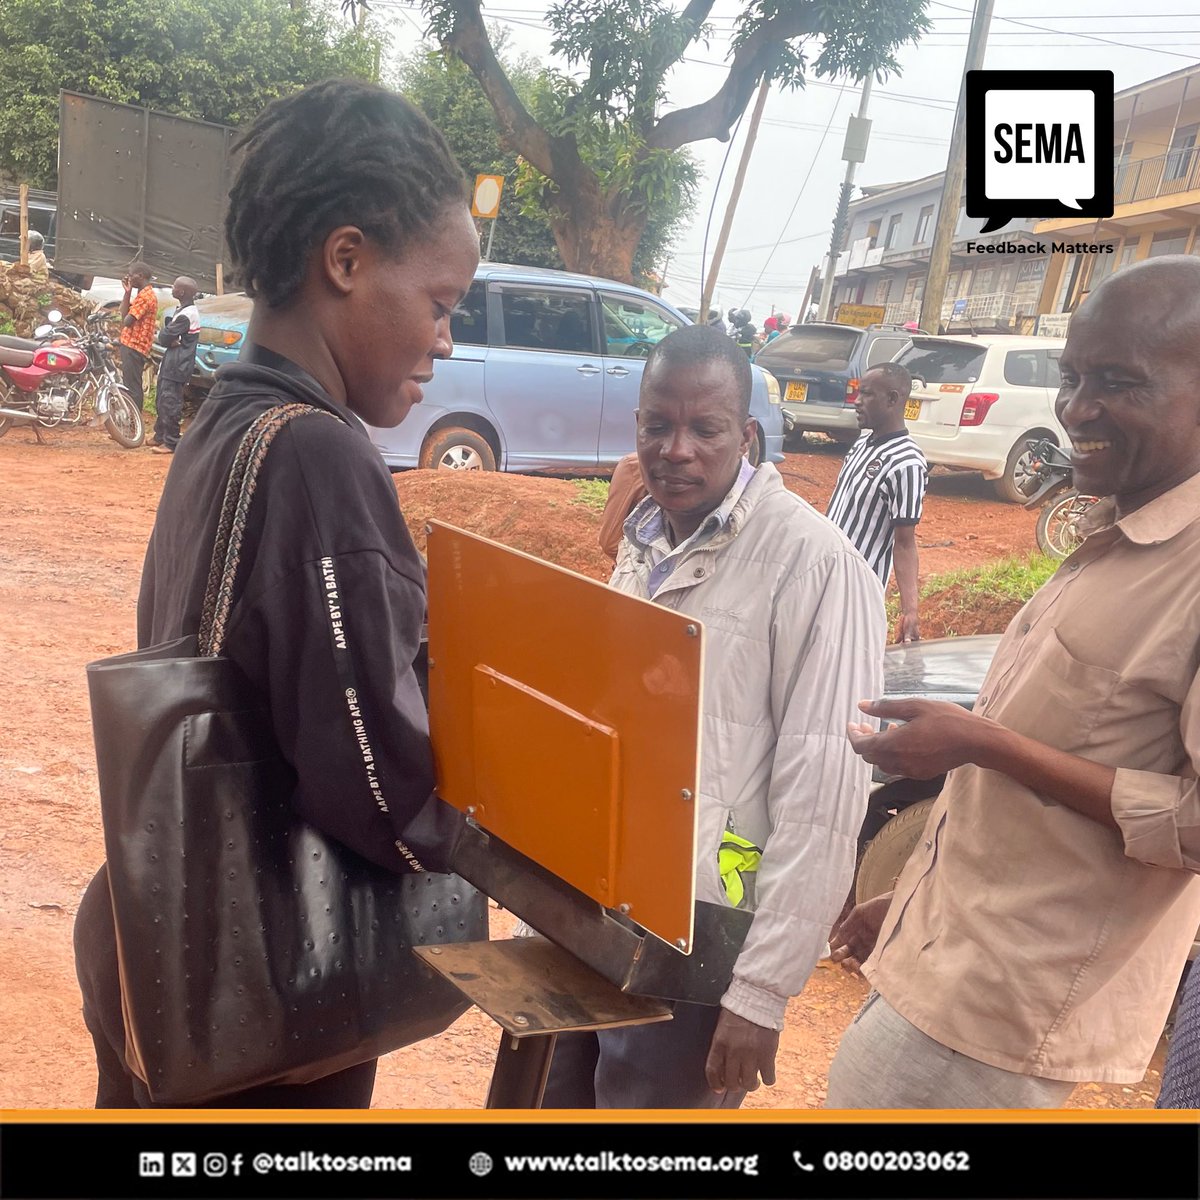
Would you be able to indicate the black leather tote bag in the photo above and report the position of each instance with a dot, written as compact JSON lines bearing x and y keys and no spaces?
{"x":252,"y":949}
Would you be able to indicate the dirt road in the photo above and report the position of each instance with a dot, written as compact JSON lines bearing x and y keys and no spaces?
{"x":75,"y":515}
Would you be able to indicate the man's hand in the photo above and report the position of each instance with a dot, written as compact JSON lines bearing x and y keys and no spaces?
{"x":936,"y":737}
{"x":854,"y":936}
{"x":739,"y":1053}
{"x":909,"y":629}
{"x":127,"y":284}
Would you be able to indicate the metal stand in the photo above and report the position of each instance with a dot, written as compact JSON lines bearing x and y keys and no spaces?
{"x":535,"y":990}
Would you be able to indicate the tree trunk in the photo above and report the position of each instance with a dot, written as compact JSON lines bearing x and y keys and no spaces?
{"x":596,"y":234}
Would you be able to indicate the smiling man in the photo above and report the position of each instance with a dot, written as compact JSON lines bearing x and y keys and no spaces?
{"x":1037,"y":934}
{"x":793,"y":630}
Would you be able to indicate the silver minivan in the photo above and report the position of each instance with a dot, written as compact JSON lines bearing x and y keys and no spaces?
{"x":545,"y":377}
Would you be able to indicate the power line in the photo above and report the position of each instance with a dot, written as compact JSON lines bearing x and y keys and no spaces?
{"x":1048,"y":29}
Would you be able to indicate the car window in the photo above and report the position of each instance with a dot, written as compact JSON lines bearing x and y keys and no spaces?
{"x":468,"y":325}
{"x":633,"y":327}
{"x":1051,"y":379}
{"x":536,"y":319}
{"x":884,"y":349}
{"x":944,"y":362}
{"x":1024,"y":368}
{"x":823,"y":348}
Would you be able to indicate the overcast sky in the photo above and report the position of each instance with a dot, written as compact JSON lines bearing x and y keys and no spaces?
{"x":784,"y":219}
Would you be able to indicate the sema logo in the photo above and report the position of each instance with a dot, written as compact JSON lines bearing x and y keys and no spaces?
{"x":1039,"y":144}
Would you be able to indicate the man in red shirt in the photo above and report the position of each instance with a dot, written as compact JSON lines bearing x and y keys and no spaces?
{"x":139,"y":318}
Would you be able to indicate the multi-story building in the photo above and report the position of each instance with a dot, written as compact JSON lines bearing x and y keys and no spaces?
{"x":1156,"y":131}
{"x":886,"y":260}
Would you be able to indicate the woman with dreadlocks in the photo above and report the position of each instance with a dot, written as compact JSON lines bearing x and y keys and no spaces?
{"x":349,"y":228}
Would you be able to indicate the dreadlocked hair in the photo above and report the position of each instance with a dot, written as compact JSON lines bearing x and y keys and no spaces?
{"x":341,"y":152}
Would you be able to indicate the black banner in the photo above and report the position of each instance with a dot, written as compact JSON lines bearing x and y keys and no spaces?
{"x":739,"y":1158}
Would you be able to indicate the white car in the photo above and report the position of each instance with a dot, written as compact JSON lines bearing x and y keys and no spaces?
{"x":108,"y":293}
{"x":976,"y":401}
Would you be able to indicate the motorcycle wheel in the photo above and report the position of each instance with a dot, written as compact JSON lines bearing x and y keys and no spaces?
{"x":124,"y":421}
{"x":1058,"y":524}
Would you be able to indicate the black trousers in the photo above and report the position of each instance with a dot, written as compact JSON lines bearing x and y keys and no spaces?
{"x":168,"y":400}
{"x":133,"y":366}
{"x":96,"y":968}
{"x":646,"y":1066}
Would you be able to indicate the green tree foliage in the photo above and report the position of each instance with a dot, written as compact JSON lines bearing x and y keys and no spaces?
{"x":600,"y":151}
{"x":445,"y":90}
{"x":215,"y":60}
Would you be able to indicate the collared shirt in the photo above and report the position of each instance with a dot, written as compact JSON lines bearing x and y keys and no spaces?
{"x":881,"y":485}
{"x":647,"y":527}
{"x":1023,"y":933}
{"x":144,"y":309}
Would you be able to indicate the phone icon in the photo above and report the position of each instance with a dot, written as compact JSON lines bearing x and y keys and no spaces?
{"x":798,"y":1159}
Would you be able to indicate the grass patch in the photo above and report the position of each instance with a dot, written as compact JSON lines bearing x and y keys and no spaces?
{"x":1006,"y":581}
{"x":591,"y":493}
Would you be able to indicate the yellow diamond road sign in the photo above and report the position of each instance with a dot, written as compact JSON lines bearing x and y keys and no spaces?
{"x":486,"y":200}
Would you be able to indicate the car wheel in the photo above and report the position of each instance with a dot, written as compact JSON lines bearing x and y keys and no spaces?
{"x":889,"y":850}
{"x":1018,"y":469}
{"x":457,"y":450}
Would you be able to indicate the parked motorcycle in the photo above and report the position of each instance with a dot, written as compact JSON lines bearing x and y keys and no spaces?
{"x":1049,"y":485}
{"x":62,"y":376}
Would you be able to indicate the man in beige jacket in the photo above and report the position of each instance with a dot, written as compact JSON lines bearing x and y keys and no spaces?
{"x":794,"y":629}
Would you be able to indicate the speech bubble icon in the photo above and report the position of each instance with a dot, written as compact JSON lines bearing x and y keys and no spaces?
{"x":1039,"y":145}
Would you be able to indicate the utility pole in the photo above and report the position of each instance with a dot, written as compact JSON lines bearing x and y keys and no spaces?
{"x":854,"y":151}
{"x":952,"y":183}
{"x":710,"y":284}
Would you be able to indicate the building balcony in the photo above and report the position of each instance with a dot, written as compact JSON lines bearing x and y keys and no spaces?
{"x":993,"y":307}
{"x":1164,"y":175}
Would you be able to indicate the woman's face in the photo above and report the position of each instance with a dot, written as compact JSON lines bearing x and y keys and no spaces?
{"x":398,"y":320}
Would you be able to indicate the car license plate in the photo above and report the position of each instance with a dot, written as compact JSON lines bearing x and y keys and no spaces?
{"x":797,"y":393}
{"x":912,"y":410}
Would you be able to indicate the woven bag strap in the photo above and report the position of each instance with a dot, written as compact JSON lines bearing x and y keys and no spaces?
{"x":231,"y":526}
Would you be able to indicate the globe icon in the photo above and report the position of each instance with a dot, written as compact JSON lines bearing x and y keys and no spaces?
{"x":480,"y":1163}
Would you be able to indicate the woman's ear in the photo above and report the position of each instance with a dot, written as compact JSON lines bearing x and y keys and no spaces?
{"x":341,"y":255}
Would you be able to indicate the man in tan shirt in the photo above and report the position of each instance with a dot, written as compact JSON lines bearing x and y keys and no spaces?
{"x":1037,"y":934}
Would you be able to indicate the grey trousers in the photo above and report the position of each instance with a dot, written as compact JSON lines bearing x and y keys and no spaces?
{"x":647,"y":1066}
{"x":883,"y":1061}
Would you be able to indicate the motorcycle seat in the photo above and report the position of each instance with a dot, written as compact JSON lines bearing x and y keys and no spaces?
{"x":14,"y":358}
{"x":19,"y":343}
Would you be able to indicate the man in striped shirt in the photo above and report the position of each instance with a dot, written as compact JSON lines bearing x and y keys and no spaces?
{"x":878,"y":496}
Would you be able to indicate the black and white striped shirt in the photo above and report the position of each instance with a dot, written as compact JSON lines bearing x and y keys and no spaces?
{"x":881,"y":485}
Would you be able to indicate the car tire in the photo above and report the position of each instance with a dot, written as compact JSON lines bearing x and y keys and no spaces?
{"x":457,"y":449}
{"x":1015,"y":466}
{"x":889,"y":850}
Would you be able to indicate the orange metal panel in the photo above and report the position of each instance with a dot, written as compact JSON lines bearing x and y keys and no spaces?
{"x":567,"y":716}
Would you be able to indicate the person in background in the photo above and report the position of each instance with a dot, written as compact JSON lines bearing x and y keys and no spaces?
{"x":139,"y":317}
{"x":776,"y":325}
{"x":794,"y":628}
{"x":180,"y":333}
{"x":747,"y":340}
{"x":880,"y":489}
{"x":626,"y":490}
{"x":1036,"y":936}
{"x":1181,"y":1075}
{"x":39,"y":267}
{"x":715,"y":322}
